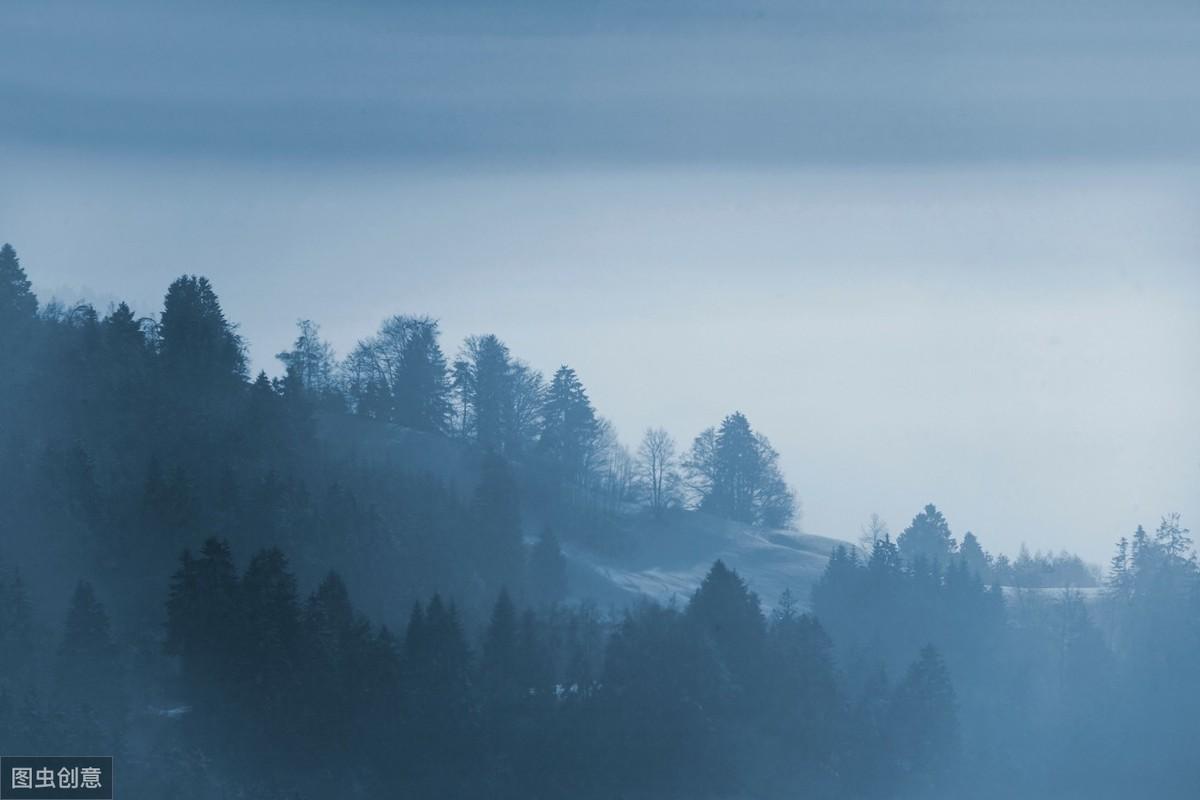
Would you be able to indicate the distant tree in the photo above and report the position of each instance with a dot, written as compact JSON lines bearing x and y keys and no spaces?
{"x":421,"y":389}
{"x":870,"y":533}
{"x":775,"y":502}
{"x":657,"y":469}
{"x":570,"y":429}
{"x":700,"y":465}
{"x":1173,"y":540}
{"x":438,"y":680}
{"x":1120,"y":574}
{"x":205,"y":629}
{"x":800,"y":694}
{"x":928,"y":536}
{"x":87,"y":673}
{"x":400,"y":375}
{"x":499,"y":663}
{"x":17,"y":300}
{"x":498,"y":398}
{"x":310,"y":363}
{"x":973,"y":555}
{"x":923,"y":736}
{"x":730,"y":615}
{"x":269,"y":649}
{"x":199,"y":348}
{"x":735,"y":474}
{"x":662,"y":700}
{"x":123,"y":329}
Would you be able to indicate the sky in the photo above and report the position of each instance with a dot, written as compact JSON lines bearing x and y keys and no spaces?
{"x":936,"y":251}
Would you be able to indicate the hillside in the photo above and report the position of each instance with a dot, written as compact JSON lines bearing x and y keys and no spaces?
{"x":672,"y":556}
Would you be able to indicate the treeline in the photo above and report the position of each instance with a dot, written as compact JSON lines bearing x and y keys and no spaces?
{"x":401,"y":634}
{"x":928,"y":537}
{"x":908,"y":680}
{"x":138,"y":436}
{"x":279,"y":695}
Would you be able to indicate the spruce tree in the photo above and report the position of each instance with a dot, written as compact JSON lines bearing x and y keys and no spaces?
{"x":928,"y":536}
{"x":87,"y":672}
{"x":18,"y":304}
{"x":570,"y":429}
{"x":199,"y":348}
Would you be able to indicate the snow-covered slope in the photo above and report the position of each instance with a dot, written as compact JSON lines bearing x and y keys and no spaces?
{"x":671,"y":557}
{"x":659,"y":559}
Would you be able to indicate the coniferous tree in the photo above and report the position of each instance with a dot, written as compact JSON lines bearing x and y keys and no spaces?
{"x":310,"y":362}
{"x":18,"y":304}
{"x":498,"y":398}
{"x":87,"y":671}
{"x":730,"y":616}
{"x":200,"y":350}
{"x":928,"y":536}
{"x":800,"y":694}
{"x":570,"y":429}
{"x":972,"y":555}
{"x":923,"y":736}
{"x":400,"y":375}
{"x":735,"y":474}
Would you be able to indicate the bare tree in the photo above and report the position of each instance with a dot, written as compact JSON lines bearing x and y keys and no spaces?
{"x":658,"y":469}
{"x":874,"y":530}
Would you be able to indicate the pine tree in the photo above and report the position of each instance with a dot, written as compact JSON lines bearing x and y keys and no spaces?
{"x":973,"y":556}
{"x":735,"y":474}
{"x":18,"y":304}
{"x":570,"y":429}
{"x":421,"y":390}
{"x":929,"y":536}
{"x":800,"y":693}
{"x":400,"y":375}
{"x":87,"y":673}
{"x":199,"y":348}
{"x":729,"y":614}
{"x":484,"y":387}
{"x":203,"y":622}
{"x":923,"y":736}
{"x":1119,"y":573}
{"x":310,"y":363}
{"x":499,"y":666}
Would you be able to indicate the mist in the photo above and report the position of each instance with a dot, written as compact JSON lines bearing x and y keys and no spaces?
{"x":535,"y":400}
{"x":1019,"y":344}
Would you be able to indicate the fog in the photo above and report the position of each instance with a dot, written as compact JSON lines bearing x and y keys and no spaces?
{"x":637,"y":324}
{"x":936,"y":252}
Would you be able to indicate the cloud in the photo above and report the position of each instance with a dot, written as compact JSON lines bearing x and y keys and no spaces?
{"x":573,"y":82}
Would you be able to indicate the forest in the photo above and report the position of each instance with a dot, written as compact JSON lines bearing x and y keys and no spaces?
{"x":350,"y":581}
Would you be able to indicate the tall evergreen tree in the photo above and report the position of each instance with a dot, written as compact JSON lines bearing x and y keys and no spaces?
{"x":18,"y":303}
{"x":923,"y":736}
{"x":400,"y":375}
{"x":730,"y":616}
{"x":87,"y":673}
{"x":928,"y":536}
{"x":735,"y":474}
{"x":570,"y":429}
{"x":199,"y":348}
